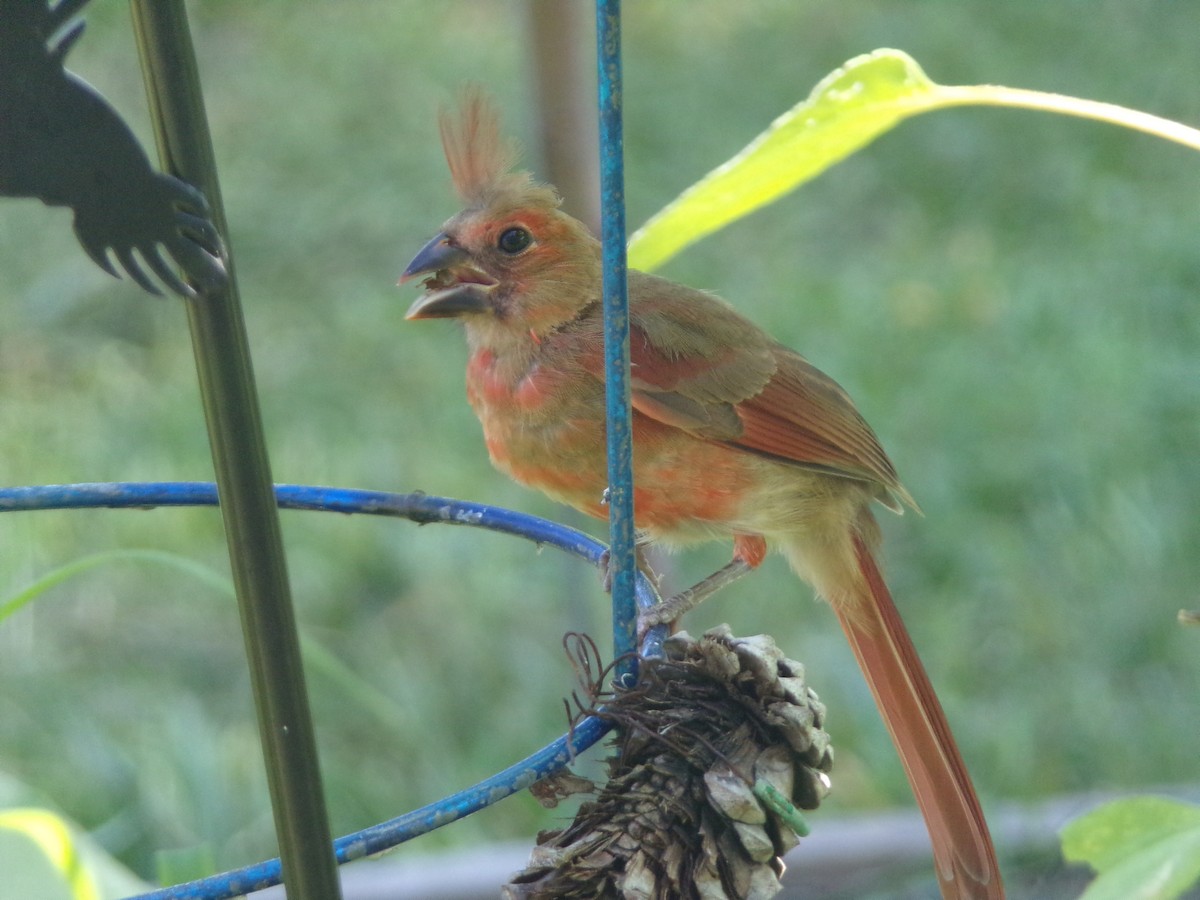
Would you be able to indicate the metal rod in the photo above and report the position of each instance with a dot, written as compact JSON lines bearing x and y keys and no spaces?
{"x":422,"y":509}
{"x":243,"y":473}
{"x":623,"y":557}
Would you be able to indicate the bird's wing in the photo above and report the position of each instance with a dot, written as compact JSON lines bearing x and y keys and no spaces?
{"x":804,"y":416}
{"x":698,"y":365}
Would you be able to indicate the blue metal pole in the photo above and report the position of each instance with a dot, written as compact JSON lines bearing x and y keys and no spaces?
{"x":623,"y":558}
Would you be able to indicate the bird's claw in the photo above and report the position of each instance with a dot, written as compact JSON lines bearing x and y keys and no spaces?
{"x":130,"y":264}
{"x":651,"y":618}
{"x":173,"y":218}
{"x":604,"y":563}
{"x":66,"y":145}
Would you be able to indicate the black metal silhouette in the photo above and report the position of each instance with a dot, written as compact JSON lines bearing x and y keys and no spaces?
{"x":62,"y":142}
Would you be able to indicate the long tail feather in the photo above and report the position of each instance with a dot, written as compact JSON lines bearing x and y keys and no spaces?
{"x":962,"y":847}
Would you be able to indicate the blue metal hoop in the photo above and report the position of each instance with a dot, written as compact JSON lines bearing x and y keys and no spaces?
{"x":417,"y":507}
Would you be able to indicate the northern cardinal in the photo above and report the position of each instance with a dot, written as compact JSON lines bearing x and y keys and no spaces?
{"x":734,"y":435}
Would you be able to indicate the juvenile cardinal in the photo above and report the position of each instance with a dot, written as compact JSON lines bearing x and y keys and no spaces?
{"x":734,"y":437}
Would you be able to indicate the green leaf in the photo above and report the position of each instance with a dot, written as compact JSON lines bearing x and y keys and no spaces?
{"x":317,"y":657}
{"x":847,"y":110}
{"x":63,"y":573}
{"x":1142,"y":847}
{"x":43,"y":855}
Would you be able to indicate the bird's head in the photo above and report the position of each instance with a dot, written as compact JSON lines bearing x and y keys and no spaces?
{"x":511,"y":260}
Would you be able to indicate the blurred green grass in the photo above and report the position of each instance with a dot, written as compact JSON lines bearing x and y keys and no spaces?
{"x":1011,"y":298}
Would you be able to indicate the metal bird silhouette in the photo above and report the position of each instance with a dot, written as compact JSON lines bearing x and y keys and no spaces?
{"x":63,"y":143}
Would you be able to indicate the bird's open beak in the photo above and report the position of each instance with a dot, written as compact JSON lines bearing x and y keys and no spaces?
{"x":454,"y":288}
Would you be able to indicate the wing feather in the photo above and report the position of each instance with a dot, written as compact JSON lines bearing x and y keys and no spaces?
{"x":698,"y":365}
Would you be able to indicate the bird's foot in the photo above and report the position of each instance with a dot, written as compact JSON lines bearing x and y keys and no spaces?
{"x":643,"y":566}
{"x":672,"y":608}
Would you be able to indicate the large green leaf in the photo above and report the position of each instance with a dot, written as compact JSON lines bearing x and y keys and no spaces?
{"x":848,"y":109}
{"x":1144,"y":848}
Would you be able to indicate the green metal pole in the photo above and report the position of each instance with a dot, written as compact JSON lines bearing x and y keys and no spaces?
{"x":242,"y":472}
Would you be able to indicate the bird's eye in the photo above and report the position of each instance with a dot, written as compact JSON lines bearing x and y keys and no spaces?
{"x":514,"y":240}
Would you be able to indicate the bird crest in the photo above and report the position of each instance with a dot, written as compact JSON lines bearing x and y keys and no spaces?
{"x":480,"y":157}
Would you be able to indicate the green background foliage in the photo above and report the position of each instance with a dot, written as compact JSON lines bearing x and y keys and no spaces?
{"x":1010,"y":297}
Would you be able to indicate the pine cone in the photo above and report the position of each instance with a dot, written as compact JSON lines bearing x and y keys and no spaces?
{"x":704,"y":741}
